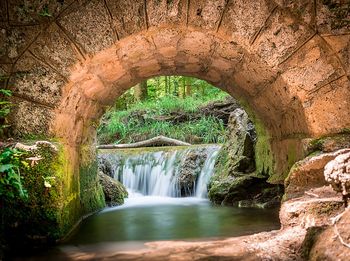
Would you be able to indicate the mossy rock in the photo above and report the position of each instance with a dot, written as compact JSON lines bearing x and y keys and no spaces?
{"x":329,"y":143}
{"x":245,"y":191}
{"x":113,"y":190}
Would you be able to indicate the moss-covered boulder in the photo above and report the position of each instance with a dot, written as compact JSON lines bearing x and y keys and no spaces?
{"x":245,"y":191}
{"x":239,"y":148}
{"x":113,"y":190}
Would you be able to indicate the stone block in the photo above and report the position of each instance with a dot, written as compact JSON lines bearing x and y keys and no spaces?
{"x":90,"y":26}
{"x":206,"y":14}
{"x":243,"y":20}
{"x":166,"y":12}
{"x":128,"y":16}
{"x":36,"y":81}
{"x":56,"y":49}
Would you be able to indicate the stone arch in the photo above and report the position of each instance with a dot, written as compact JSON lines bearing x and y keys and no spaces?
{"x":287,"y":62}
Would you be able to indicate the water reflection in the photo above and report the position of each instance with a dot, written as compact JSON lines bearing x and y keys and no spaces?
{"x":160,"y":218}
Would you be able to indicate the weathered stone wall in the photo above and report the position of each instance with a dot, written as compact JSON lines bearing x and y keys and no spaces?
{"x":287,"y":61}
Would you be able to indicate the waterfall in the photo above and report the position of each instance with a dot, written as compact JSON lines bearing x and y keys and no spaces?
{"x":204,"y":176}
{"x":164,"y":171}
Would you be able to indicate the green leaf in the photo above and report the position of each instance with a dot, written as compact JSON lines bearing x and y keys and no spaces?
{"x":6,"y":167}
{"x":6,"y":92}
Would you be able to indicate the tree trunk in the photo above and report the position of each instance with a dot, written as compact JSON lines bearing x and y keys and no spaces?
{"x":141,"y":91}
{"x":176,"y":87}
{"x":188,"y":87}
{"x":166,"y":85}
{"x":183,"y":81}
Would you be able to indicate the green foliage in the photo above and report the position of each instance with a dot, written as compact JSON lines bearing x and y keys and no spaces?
{"x":5,"y":108}
{"x":38,"y":215}
{"x":131,"y":122}
{"x":10,"y":178}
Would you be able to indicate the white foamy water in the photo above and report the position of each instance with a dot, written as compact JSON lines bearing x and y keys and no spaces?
{"x":157,"y":173}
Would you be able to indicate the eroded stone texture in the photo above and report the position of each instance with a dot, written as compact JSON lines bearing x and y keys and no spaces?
{"x":35,"y":11}
{"x":337,"y":173}
{"x":14,"y":40}
{"x":128,"y":16}
{"x":165,"y":11}
{"x":245,"y":19}
{"x":341,"y":46}
{"x":303,"y":10}
{"x":36,"y":81}
{"x":333,"y":17}
{"x":308,"y":173}
{"x":281,"y":36}
{"x":90,"y":26}
{"x":206,"y":14}
{"x":328,"y":244}
{"x":30,"y":118}
{"x":328,"y":110}
{"x":54,"y":48}
{"x":311,"y":68}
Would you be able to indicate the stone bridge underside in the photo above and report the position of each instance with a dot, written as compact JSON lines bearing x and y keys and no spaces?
{"x":287,"y":61}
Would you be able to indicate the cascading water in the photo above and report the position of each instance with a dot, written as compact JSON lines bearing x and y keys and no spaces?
{"x":166,"y":172}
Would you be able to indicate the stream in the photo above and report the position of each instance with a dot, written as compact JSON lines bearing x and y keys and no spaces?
{"x":167,"y":201}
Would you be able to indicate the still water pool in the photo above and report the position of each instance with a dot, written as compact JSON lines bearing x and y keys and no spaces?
{"x":160,"y":218}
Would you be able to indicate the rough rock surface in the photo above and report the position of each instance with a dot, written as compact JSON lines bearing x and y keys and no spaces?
{"x":308,"y":173}
{"x":245,"y":191}
{"x":113,"y":190}
{"x":334,"y":242}
{"x":234,"y":181}
{"x":241,"y":141}
{"x":189,"y":170}
{"x":337,"y":173}
{"x":105,"y":166}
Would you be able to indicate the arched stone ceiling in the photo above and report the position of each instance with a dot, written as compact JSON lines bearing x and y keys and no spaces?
{"x":66,"y":60}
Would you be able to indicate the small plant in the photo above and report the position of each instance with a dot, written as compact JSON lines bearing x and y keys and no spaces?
{"x":5,"y":108}
{"x":10,"y":178}
{"x":45,"y":12}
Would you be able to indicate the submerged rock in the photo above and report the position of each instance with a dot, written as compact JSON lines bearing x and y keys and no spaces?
{"x":113,"y":190}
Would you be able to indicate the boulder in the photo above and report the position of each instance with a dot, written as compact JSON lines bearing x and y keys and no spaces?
{"x":241,"y":142}
{"x":334,"y":242}
{"x":189,"y":170}
{"x":308,"y":174}
{"x":245,"y":191}
{"x":113,"y":190}
{"x":105,"y":166}
{"x":337,"y":173}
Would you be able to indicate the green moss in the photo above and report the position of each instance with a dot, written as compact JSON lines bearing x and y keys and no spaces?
{"x":263,"y":153}
{"x":91,"y":193}
{"x":39,"y":216}
{"x":326,"y":208}
{"x":330,"y":142}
